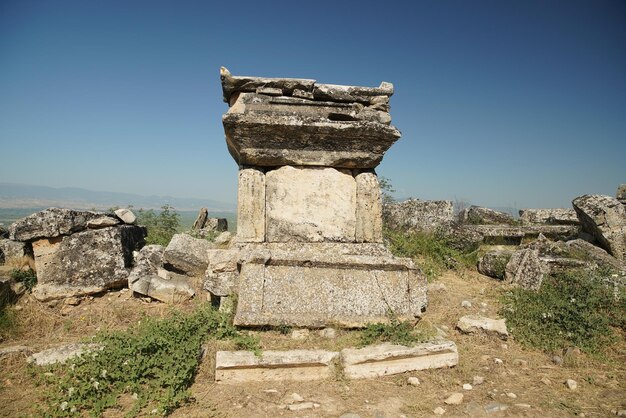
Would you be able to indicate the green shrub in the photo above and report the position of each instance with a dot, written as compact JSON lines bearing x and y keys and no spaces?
{"x":152,"y":364}
{"x":27,"y":277}
{"x":432,"y":251}
{"x":162,"y":226}
{"x":575,"y":309}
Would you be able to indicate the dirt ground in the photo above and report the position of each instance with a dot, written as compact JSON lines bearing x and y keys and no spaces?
{"x":527,"y":382}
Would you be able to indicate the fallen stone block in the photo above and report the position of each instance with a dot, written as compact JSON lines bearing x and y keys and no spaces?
{"x":126,"y":215}
{"x":416,"y":215}
{"x":525,"y":269}
{"x":471,"y":324}
{"x":548,"y":217}
{"x":51,"y":223}
{"x":388,"y":359}
{"x":148,"y":261}
{"x":298,"y":365}
{"x":493,"y":263}
{"x":13,"y":251}
{"x":168,"y":291}
{"x":476,"y":215}
{"x":61,"y":354}
{"x":187,"y":254}
{"x":604,"y":217}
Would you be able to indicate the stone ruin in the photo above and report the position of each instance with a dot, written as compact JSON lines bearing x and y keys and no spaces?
{"x":308,"y":249}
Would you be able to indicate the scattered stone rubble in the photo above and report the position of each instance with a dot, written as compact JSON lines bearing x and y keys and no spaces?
{"x":204,"y":226}
{"x":76,"y":253}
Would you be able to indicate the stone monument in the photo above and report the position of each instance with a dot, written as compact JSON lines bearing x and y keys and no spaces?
{"x":308,"y":250}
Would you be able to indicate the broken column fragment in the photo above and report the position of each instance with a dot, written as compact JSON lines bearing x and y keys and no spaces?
{"x":308,"y":249}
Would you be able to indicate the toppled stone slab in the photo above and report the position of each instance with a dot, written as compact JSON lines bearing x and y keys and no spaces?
{"x":343,"y":284}
{"x":583,"y":250}
{"x":61,"y":354}
{"x":548,"y":217}
{"x":476,"y":215}
{"x":493,"y":263}
{"x":605,"y":218}
{"x":525,"y":269}
{"x":471,"y":324}
{"x":13,"y":251}
{"x":126,"y":216}
{"x":298,"y":365}
{"x":388,"y":359}
{"x":204,"y":223}
{"x":51,"y":223}
{"x":175,"y":290}
{"x":513,"y":235}
{"x":147,"y":262}
{"x":86,"y":262}
{"x":416,"y":215}
{"x":187,"y":254}
{"x":222,"y":275}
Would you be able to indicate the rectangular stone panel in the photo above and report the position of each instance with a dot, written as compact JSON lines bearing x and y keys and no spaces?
{"x":369,"y":216}
{"x":316,"y":291}
{"x":299,"y":365}
{"x":251,"y":205}
{"x":310,"y":204}
{"x":388,"y":359}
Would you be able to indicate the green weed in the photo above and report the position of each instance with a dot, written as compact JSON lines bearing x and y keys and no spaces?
{"x":572,"y":309}
{"x":397,"y":332}
{"x":162,"y":226}
{"x":152,"y":363}
{"x":27,"y":277}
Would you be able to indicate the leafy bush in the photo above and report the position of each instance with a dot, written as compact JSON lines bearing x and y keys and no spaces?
{"x":27,"y":277}
{"x":431,"y":251}
{"x":162,"y":226}
{"x":151,"y":364}
{"x":573,"y":309}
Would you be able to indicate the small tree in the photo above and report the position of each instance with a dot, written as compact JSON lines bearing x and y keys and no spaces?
{"x":385,"y":190}
{"x":162,"y":226}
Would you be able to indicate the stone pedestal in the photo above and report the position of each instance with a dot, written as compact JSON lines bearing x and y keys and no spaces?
{"x":309,"y":230}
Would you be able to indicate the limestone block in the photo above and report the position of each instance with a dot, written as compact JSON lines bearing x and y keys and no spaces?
{"x":222,"y":274}
{"x":126,"y":215}
{"x":187,"y":254}
{"x":168,"y":291}
{"x":318,"y":285}
{"x":493,"y":263}
{"x":416,"y":215}
{"x":86,"y":262}
{"x":298,"y":365}
{"x":311,"y":204}
{"x":147,"y":262}
{"x":388,"y":359}
{"x":477,"y":215}
{"x":369,"y":217}
{"x":251,"y":206}
{"x":472,"y":323}
{"x":605,"y":218}
{"x":548,"y":216}
{"x":51,"y":223}
{"x":13,"y":251}
{"x":525,"y":269}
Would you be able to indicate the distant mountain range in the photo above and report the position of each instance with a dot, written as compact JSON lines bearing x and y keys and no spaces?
{"x":27,"y":196}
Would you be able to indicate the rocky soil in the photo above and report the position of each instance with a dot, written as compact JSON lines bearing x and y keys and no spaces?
{"x":495,"y":377}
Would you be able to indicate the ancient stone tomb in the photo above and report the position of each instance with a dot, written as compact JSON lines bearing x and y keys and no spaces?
{"x":309,"y":246}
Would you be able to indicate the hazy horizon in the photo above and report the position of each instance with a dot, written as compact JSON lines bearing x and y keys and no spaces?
{"x":502,"y":104}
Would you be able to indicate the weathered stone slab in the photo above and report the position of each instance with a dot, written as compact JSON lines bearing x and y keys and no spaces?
{"x":388,"y":359}
{"x":222,"y":275}
{"x":473,"y":323}
{"x":351,"y":94}
{"x":414,"y":215}
{"x":343,"y":284}
{"x":187,"y":254}
{"x":103,"y":222}
{"x":310,"y":204}
{"x":231,"y":84}
{"x":13,"y":251}
{"x":513,"y":235}
{"x":51,"y":223}
{"x":61,"y":354}
{"x":266,"y":131}
{"x":493,"y":263}
{"x":605,"y":218}
{"x":251,"y":206}
{"x":298,"y":365}
{"x":525,"y":269}
{"x":175,"y":290}
{"x":583,"y":250}
{"x":126,"y":215}
{"x":86,"y":262}
{"x":548,"y":216}
{"x":147,"y":262}
{"x":476,"y":215}
{"x":369,"y":221}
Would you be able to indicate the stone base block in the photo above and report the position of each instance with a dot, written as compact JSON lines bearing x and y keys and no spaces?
{"x":325,"y":284}
{"x":299,"y":365}
{"x":388,"y":359}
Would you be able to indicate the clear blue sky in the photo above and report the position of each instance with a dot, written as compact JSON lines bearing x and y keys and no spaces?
{"x":501,"y":103}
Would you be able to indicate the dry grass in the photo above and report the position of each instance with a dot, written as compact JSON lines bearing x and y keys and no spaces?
{"x":602,"y":383}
